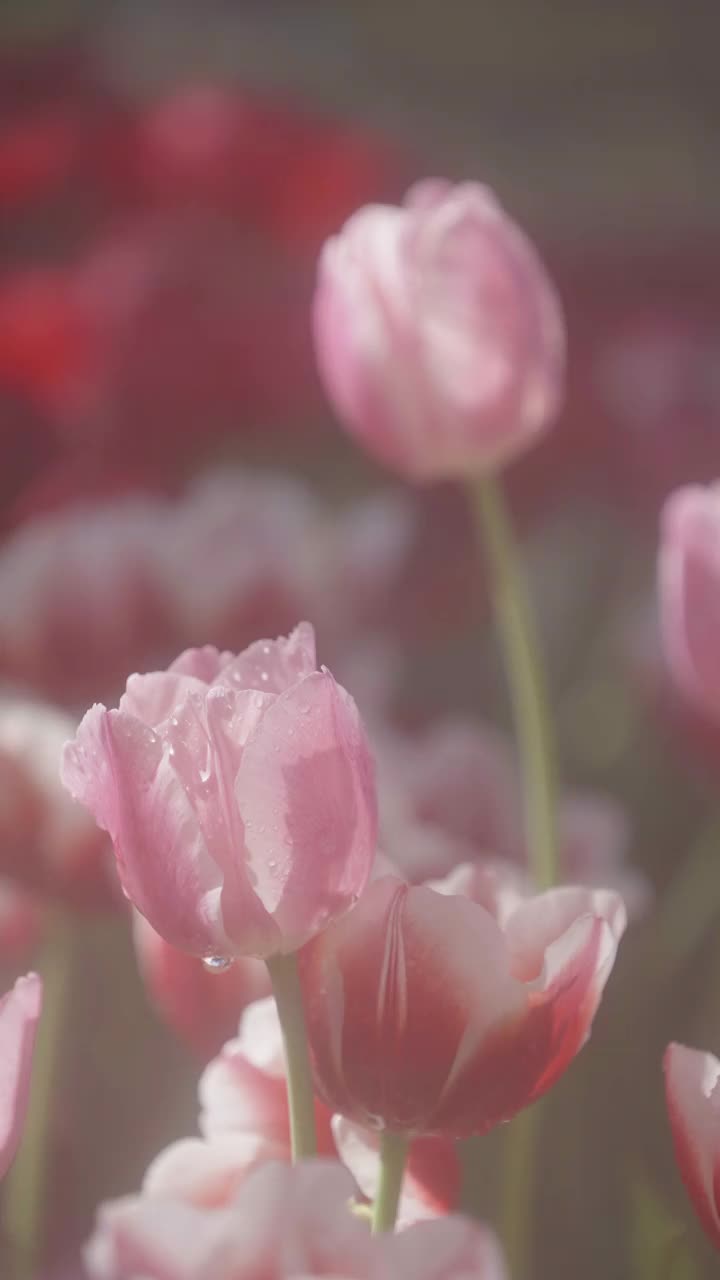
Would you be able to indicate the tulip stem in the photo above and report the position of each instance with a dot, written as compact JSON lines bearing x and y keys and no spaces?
{"x":393,"y":1155}
{"x":518,"y":1183}
{"x":26,"y":1190}
{"x":526,"y":678}
{"x":285,"y":981}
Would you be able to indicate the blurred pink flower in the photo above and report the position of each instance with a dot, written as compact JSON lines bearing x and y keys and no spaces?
{"x":100,"y":590}
{"x":47,"y":843}
{"x":19,"y":1014}
{"x":22,"y":920}
{"x":693,"y":1102}
{"x":690,"y":729}
{"x":87,"y":601}
{"x":251,"y":552}
{"x":427,"y":1015}
{"x":239,"y":795}
{"x":689,"y":587}
{"x":439,"y":336}
{"x":163,"y":1239}
{"x":201,"y":1007}
{"x":451,"y":794}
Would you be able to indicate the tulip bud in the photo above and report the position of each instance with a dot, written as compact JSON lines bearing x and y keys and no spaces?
{"x":439,"y":336}
{"x":689,"y":586}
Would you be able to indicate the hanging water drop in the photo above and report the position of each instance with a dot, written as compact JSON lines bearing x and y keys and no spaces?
{"x":216,"y":964}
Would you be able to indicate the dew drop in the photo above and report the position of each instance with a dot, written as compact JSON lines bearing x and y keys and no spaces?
{"x":264,"y":675}
{"x":216,"y":964}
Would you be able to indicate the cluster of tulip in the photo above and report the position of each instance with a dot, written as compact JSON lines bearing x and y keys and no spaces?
{"x":436,"y":932}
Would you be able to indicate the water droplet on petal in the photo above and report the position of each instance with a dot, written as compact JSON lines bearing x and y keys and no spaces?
{"x":216,"y":964}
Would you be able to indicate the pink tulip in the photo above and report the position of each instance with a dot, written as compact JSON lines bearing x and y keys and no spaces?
{"x":438,"y":335}
{"x":689,"y":586}
{"x":47,"y":843}
{"x":19,"y":1014}
{"x":282,"y":1222}
{"x":427,"y":1015}
{"x":201,"y":1007}
{"x":239,"y":795}
{"x":693,"y":1102}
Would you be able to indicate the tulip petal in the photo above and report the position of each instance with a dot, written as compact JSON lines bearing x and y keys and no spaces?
{"x":306,"y":783}
{"x":415,"y":968}
{"x":692,"y":1088}
{"x":538,"y":922}
{"x":454,"y":1247}
{"x":207,"y":1174}
{"x":243,"y":1089}
{"x":19,"y":1015}
{"x":118,"y":768}
{"x":203,"y":664}
{"x":152,"y":698}
{"x":497,"y":1074}
{"x":273,"y":665}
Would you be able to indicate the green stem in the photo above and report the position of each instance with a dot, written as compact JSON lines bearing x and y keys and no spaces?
{"x":301,"y":1100}
{"x":518,"y":1183}
{"x":393,"y":1155}
{"x":525,"y":676}
{"x":26,"y":1190}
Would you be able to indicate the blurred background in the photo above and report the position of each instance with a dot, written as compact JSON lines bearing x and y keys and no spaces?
{"x":170,"y":476}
